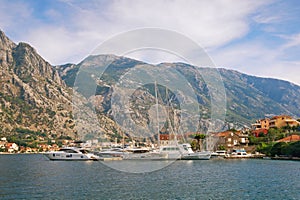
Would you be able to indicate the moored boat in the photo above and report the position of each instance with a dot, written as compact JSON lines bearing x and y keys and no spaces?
{"x":169,"y":152}
{"x":239,"y":153}
{"x":219,"y":154}
{"x":188,"y":154}
{"x":110,"y":153}
{"x":71,"y":153}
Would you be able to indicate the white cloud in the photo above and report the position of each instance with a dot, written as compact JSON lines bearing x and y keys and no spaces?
{"x":254,"y":58}
{"x":59,"y":45}
{"x":211,"y":23}
{"x":293,"y":41}
{"x":14,"y":16}
{"x":266,"y":19}
{"x":73,"y":29}
{"x":85,"y":24}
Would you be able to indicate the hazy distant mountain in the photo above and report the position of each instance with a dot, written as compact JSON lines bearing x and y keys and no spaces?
{"x":253,"y":97}
{"x":37,"y":96}
{"x":248,"y":97}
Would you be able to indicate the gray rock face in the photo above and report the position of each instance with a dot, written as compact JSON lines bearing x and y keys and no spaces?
{"x":32,"y":95}
{"x":247,"y":97}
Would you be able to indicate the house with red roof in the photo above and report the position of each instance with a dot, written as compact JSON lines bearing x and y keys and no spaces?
{"x":231,"y":139}
{"x":11,"y":147}
{"x":258,"y":132}
{"x":275,"y":122}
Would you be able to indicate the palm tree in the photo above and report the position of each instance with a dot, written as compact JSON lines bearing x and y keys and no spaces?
{"x":199,"y":137}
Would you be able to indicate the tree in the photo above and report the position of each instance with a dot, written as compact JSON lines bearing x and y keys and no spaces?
{"x":265,"y":148}
{"x":293,"y":149}
{"x":199,"y":137}
{"x":261,"y":134}
{"x":272,"y":134}
{"x":277,"y":148}
{"x":221,"y":147}
{"x":194,"y":144}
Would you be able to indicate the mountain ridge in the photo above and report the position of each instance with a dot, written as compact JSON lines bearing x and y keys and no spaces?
{"x":38,"y":96}
{"x":238,"y":84}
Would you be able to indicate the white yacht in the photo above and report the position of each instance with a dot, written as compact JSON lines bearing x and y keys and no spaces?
{"x":189,"y":154}
{"x":239,"y":153}
{"x":109,"y":153}
{"x":219,"y":154}
{"x":71,"y":153}
{"x":144,"y":155}
{"x":170,"y":152}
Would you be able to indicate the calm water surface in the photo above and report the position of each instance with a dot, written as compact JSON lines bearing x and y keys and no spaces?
{"x":34,"y":177}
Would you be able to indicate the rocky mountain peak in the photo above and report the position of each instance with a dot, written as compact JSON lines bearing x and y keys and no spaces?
{"x":6,"y":47}
{"x":32,"y":95}
{"x":5,"y":42}
{"x":28,"y":64}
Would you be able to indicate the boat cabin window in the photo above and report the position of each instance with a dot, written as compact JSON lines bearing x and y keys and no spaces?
{"x":69,"y":150}
{"x":170,"y":149}
{"x":84,"y":151}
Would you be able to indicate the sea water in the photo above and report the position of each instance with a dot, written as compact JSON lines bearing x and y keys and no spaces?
{"x":35,"y":177}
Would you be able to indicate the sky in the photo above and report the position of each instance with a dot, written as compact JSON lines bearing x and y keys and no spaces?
{"x":260,"y":38}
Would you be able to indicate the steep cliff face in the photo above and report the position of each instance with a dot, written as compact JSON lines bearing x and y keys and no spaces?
{"x":6,"y":48}
{"x":32,"y":95}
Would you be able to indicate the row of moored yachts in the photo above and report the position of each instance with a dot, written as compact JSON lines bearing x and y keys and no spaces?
{"x":173,"y":152}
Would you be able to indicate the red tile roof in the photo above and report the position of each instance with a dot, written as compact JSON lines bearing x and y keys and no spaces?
{"x":281,"y":116}
{"x":258,"y":131}
{"x":224,"y":134}
{"x":291,"y":138}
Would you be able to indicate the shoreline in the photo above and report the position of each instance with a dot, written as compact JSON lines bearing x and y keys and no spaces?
{"x":226,"y":158}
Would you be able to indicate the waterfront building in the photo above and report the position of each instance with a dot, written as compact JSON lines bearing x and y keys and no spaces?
{"x":261,"y":124}
{"x":11,"y":147}
{"x":282,"y":120}
{"x":231,"y":140}
{"x":168,"y":139}
{"x":275,"y":122}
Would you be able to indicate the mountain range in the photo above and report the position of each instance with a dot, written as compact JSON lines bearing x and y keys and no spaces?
{"x":39,"y":97}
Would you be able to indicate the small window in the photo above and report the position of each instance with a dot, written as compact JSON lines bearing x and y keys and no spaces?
{"x":84,"y":151}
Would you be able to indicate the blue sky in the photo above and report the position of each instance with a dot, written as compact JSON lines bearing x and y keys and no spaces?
{"x":260,"y":38}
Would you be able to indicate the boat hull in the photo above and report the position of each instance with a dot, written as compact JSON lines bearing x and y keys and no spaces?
{"x":151,"y":156}
{"x":70,"y":156}
{"x":196,"y":156}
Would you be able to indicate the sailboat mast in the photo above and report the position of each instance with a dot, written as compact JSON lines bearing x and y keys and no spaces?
{"x":157,"y":115}
{"x":123,"y":140}
{"x":170,"y":126}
